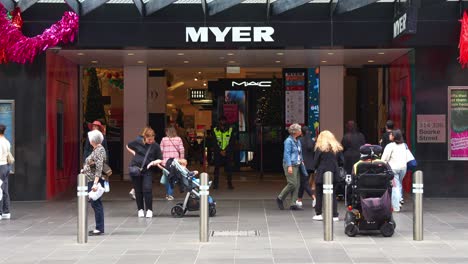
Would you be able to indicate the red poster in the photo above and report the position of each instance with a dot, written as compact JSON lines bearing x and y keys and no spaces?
{"x":231,"y":112}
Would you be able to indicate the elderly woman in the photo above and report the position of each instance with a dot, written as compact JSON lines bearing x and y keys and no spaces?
{"x":144,"y":150}
{"x":292,"y":159}
{"x":93,"y":171}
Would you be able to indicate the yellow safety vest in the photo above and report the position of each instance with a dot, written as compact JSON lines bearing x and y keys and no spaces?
{"x":223,"y":137}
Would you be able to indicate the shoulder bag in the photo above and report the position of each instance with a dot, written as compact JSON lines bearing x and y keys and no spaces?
{"x":135,"y":171}
{"x":411,"y":162}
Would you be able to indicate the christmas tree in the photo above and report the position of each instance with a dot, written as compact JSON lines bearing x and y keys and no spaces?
{"x":94,"y":106}
{"x":270,"y":105}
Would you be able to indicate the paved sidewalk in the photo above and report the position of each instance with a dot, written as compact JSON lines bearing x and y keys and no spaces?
{"x":45,"y":232}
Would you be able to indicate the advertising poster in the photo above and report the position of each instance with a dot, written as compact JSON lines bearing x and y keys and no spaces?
{"x":313,"y":114}
{"x":237,"y":97}
{"x":294,"y":84}
{"x":458,"y":123}
{"x":231,"y":113}
{"x":7,"y":115}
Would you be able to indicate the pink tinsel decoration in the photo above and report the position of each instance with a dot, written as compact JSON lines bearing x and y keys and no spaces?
{"x":463,"y":44}
{"x":21,"y":49}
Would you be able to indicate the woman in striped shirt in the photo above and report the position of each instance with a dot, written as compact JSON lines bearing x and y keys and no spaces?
{"x":171,"y":147}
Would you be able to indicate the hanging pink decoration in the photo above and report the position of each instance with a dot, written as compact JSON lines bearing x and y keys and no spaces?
{"x":21,"y":49}
{"x":463,"y":44}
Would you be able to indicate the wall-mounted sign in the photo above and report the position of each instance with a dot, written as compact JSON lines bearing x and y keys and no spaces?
{"x":406,"y":23}
{"x":236,"y":34}
{"x":7,"y":118}
{"x":431,"y":128}
{"x":295,"y":83}
{"x":195,"y":94}
{"x":458,"y":122}
{"x":314,"y":101}
{"x":251,"y":83}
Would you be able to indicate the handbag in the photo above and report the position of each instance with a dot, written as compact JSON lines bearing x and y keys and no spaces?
{"x":97,"y":194}
{"x":10,"y":158}
{"x":163,"y":180}
{"x":106,"y":171}
{"x":411,"y":162}
{"x":135,"y":171}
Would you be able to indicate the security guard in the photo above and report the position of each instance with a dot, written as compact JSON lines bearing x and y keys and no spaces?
{"x":223,"y":151}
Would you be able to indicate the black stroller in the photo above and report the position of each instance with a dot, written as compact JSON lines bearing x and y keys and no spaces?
{"x":187,"y":182}
{"x":370,"y":188}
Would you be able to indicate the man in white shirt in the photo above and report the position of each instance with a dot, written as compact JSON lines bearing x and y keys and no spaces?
{"x":4,"y":172}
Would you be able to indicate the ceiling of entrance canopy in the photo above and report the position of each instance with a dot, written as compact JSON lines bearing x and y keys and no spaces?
{"x":209,"y":7}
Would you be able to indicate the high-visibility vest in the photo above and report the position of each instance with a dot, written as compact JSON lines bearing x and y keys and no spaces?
{"x":223,"y":137}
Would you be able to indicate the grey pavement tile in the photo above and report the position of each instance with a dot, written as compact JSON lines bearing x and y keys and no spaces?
{"x":450,"y":260}
{"x":146,"y":259}
{"x":254,"y":260}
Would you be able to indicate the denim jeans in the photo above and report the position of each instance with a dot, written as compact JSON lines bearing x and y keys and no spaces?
{"x":169,"y":190}
{"x":5,"y":201}
{"x":98,"y":208}
{"x":397,"y":189}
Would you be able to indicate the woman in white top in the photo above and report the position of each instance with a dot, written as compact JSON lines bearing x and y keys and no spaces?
{"x":395,"y":155}
{"x":4,"y":173}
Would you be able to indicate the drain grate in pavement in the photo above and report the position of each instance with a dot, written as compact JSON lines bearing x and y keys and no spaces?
{"x":235,"y":233}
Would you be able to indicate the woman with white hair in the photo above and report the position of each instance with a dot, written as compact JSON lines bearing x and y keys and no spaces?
{"x":292,"y":159}
{"x":93,"y":171}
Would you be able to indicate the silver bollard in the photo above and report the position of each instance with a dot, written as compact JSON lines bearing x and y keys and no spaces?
{"x":327,"y":209}
{"x":204,"y":210}
{"x":418,"y":190}
{"x":82,"y":193}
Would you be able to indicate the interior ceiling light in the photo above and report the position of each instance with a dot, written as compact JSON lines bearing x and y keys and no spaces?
{"x":370,"y":61}
{"x":331,"y":53}
{"x":204,"y":84}
{"x":280,"y":53}
{"x":180,"y":54}
{"x":94,"y":61}
{"x":221,"y":58}
{"x":140,"y":62}
{"x":324,"y":61}
{"x":131,"y":54}
{"x":230,"y":54}
{"x":381,"y":53}
{"x":199,"y":72}
{"x":196,"y":79}
{"x":278,"y":61}
{"x":186,"y":61}
{"x":231,"y":61}
{"x":175,"y":86}
{"x":80,"y":54}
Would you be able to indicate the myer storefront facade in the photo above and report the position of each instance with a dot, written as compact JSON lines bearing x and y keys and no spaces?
{"x":321,"y":49}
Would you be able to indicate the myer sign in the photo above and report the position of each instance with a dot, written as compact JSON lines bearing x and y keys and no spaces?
{"x":236,"y":34}
{"x":399,"y":26}
{"x":406,"y":24}
{"x":251,"y":83}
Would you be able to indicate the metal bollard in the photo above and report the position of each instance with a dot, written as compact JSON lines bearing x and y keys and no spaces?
{"x":327,"y":211}
{"x":418,"y":190}
{"x":82,"y":193}
{"x":204,"y":209}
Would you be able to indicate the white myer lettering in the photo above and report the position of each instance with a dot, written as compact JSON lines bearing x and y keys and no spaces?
{"x":192,"y":34}
{"x":238,"y":34}
{"x":252,"y":83}
{"x":399,"y":26}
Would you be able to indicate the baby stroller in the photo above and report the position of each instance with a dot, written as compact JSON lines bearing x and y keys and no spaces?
{"x":370,"y":187}
{"x":185,"y":179}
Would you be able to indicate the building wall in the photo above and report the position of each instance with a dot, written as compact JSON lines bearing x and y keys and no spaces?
{"x":331,"y":99}
{"x":62,"y":86}
{"x":26,"y":84}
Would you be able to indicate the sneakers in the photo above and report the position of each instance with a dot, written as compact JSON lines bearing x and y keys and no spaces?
{"x":132,"y":194}
{"x":149,"y":214}
{"x":169,"y":197}
{"x":5,"y":216}
{"x":141,"y":213}
{"x":0,"y":217}
{"x":317,"y":218}
{"x":299,"y":203}
{"x":320,"y":218}
{"x":295,"y":208}
{"x":279,"y":202}
{"x":95,"y":232}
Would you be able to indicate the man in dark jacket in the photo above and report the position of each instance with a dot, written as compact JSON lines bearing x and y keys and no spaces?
{"x":223,"y":151}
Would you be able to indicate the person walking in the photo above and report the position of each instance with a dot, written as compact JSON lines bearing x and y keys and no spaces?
{"x":385,"y":140}
{"x":172,"y":146}
{"x":308,"y":145}
{"x":223,"y":151}
{"x":395,"y":155}
{"x":144,"y":151}
{"x":328,"y":157}
{"x":93,"y":170}
{"x":4,"y":174}
{"x":351,"y":142}
{"x":292,"y":159}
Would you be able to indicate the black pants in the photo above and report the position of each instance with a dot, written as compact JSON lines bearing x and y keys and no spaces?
{"x":220,"y":161}
{"x":98,"y":208}
{"x":304,"y":186}
{"x":143,"y":186}
{"x":319,"y":196}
